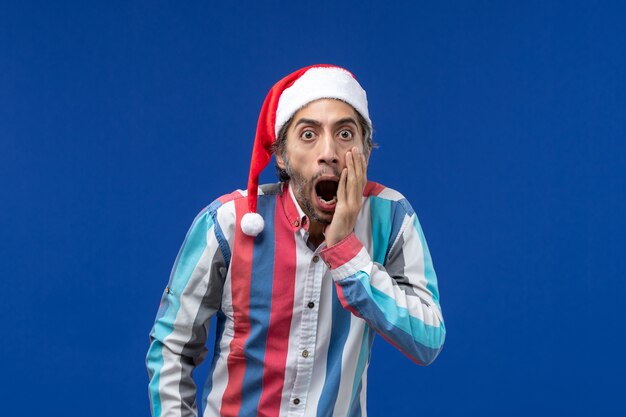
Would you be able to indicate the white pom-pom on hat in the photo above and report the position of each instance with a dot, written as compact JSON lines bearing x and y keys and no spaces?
{"x":252,"y":224}
{"x":300,"y":88}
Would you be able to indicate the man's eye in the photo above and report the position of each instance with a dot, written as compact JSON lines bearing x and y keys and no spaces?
{"x":308,"y":135}
{"x":345,"y":134}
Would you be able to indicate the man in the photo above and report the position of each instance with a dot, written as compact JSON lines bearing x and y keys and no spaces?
{"x":301,"y":274}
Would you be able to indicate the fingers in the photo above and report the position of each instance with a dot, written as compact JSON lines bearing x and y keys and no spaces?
{"x":357,"y":169}
{"x":342,"y":189}
{"x":363,"y":169}
{"x":352,"y":181}
{"x":353,"y":178}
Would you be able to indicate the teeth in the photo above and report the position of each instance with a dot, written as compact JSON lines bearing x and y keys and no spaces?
{"x":334,"y":200}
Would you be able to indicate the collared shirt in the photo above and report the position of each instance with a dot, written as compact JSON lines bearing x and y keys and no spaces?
{"x":295,"y":324}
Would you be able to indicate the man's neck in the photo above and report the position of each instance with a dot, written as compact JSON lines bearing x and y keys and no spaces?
{"x":316,"y":233}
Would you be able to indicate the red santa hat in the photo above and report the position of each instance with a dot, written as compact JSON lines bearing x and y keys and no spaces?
{"x":284,"y":99}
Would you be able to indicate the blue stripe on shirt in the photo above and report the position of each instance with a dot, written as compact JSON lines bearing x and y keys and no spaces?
{"x":399,"y":210}
{"x":381,"y":228}
{"x":219,"y":234}
{"x":414,"y":337}
{"x":429,"y":270}
{"x":260,"y":308}
{"x":364,"y":354}
{"x":338,"y":335}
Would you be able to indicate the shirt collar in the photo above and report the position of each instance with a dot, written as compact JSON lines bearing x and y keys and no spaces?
{"x":295,"y":216}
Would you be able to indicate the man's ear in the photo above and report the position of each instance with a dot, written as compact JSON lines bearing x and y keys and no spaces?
{"x":279,"y":161}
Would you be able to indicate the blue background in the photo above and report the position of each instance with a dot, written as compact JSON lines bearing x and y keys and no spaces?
{"x":502,"y":123}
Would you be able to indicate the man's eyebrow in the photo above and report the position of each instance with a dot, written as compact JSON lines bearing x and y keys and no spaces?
{"x":346,"y":120}
{"x":314,"y":122}
{"x":307,"y":122}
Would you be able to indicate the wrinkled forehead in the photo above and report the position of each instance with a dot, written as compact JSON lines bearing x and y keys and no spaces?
{"x":324,"y":108}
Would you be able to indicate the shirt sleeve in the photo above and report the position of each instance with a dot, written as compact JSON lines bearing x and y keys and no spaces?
{"x":178,"y":337}
{"x":399,"y":299}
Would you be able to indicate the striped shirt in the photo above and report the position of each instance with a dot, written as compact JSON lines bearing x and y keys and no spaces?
{"x":295,"y":324}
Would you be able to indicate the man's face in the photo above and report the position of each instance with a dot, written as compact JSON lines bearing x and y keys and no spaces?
{"x":318,"y":138}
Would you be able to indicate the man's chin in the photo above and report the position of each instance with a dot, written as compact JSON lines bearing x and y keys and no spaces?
{"x":321,"y":216}
{"x":323,"y":220}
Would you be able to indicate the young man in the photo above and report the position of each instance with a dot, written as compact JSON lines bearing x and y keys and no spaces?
{"x":301,"y":274}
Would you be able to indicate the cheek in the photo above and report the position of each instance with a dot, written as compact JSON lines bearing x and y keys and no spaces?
{"x":342,"y":156}
{"x":346,"y":149}
{"x":359,"y":144}
{"x":300,"y":159}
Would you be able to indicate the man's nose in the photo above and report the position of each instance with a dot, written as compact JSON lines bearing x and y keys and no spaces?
{"x":327,"y":152}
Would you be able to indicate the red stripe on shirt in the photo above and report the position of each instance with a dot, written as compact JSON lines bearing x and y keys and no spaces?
{"x":277,"y":343}
{"x":372,"y":188}
{"x":342,"y":252}
{"x":229,"y":197}
{"x":241,"y":270}
{"x":344,"y":302}
{"x":290,"y":209}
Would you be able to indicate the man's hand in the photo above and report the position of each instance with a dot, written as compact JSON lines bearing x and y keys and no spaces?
{"x":349,"y":197}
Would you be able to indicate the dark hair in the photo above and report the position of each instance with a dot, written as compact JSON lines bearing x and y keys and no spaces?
{"x":279,"y":145}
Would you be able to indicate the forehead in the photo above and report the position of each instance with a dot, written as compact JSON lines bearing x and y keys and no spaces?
{"x":326,"y":109}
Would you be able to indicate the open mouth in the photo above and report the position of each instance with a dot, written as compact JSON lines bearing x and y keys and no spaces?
{"x":326,"y":190}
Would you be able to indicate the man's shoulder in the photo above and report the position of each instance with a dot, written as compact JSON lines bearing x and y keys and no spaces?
{"x":228,"y":200}
{"x":374,"y":189}
{"x":388,"y":197}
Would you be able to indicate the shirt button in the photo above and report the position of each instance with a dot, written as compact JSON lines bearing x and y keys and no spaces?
{"x":305,"y":353}
{"x":296,"y":223}
{"x":311,"y":304}
{"x":328,"y":265}
{"x":316,"y":258}
{"x":296,"y":401}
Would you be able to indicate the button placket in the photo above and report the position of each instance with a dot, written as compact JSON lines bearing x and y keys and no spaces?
{"x":317,"y":272}
{"x":308,"y":332}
